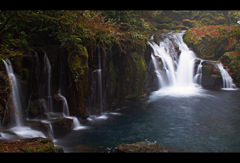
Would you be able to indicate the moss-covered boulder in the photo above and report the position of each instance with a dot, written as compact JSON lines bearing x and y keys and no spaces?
{"x":211,"y":76}
{"x":61,"y":126}
{"x":144,"y":147}
{"x":232,"y":61}
{"x":27,"y":145}
{"x":211,"y":42}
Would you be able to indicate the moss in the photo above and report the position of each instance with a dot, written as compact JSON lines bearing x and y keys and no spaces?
{"x":135,"y":79}
{"x":210,"y":42}
{"x":28,"y":145}
{"x":79,"y":63}
{"x":232,"y":61}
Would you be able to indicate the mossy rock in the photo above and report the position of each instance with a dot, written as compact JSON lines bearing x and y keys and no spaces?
{"x":232,"y":61}
{"x":126,"y":80}
{"x":144,"y":147}
{"x":27,"y":145}
{"x":211,"y":42}
{"x":211,"y":76}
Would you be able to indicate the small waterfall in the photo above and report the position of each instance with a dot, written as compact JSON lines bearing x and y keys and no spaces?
{"x":47,"y":71}
{"x":95,"y":101}
{"x":65,"y":104}
{"x":99,"y":72}
{"x":157,"y":72}
{"x":76,"y":124}
{"x":227,"y":79}
{"x":198,"y":77}
{"x":176,"y":72}
{"x":43,"y":77}
{"x":14,"y":94}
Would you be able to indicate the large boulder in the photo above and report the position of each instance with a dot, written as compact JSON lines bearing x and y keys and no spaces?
{"x":61,"y":126}
{"x":211,"y":76}
{"x":27,"y":145}
{"x":211,"y":42}
{"x":143,"y":147}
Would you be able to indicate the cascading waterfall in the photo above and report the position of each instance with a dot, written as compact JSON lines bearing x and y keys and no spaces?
{"x":227,"y":79}
{"x":76,"y":124}
{"x":177,"y":72}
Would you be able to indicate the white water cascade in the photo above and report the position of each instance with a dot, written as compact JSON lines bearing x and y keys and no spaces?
{"x":198,"y":77}
{"x":76,"y":124}
{"x":177,"y":73}
{"x":227,"y":79}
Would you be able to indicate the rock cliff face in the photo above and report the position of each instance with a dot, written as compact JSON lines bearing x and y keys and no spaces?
{"x":123,"y":78}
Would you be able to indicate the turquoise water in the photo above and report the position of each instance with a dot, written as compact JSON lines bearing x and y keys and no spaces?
{"x":208,"y":121}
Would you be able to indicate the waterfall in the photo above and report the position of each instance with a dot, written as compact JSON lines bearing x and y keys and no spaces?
{"x":198,"y":77}
{"x":14,"y":94}
{"x":47,"y":72}
{"x":95,"y":100}
{"x":227,"y":79}
{"x":76,"y":124}
{"x":157,"y":72}
{"x":65,"y":104}
{"x":19,"y":129}
{"x":175,"y":73}
{"x":99,"y":72}
{"x":43,"y":76}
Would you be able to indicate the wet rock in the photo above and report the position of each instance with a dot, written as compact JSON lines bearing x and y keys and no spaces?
{"x":61,"y":126}
{"x":211,"y":76}
{"x":143,"y":147}
{"x":38,"y":125}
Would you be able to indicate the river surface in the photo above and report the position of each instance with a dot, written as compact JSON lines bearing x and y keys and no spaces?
{"x":205,"y":121}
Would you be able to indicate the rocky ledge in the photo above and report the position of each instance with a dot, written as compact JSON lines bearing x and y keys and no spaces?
{"x":28,"y":145}
{"x":144,"y":147}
